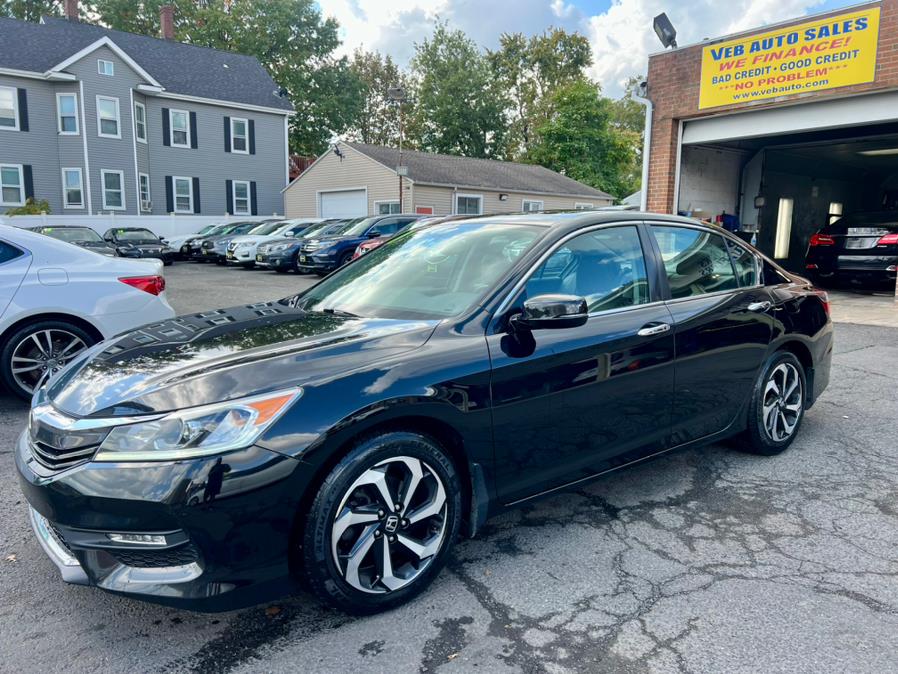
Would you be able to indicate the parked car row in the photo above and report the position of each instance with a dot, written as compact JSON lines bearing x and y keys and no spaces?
{"x":132,"y":242}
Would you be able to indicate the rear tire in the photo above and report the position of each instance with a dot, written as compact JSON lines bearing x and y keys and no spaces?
{"x":363,"y":554}
{"x":38,"y":350}
{"x":777,"y":406}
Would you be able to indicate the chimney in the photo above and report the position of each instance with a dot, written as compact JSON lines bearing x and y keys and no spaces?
{"x":167,"y":20}
{"x":71,"y":10}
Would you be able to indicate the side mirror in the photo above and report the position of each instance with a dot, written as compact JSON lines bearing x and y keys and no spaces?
{"x":108,"y":238}
{"x":288,"y":235}
{"x":373,"y":234}
{"x":547,"y":312}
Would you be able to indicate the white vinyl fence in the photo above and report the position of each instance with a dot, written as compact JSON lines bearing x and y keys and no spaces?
{"x":162,"y":225}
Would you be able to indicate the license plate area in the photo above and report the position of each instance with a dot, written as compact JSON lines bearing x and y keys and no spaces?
{"x":861,"y":243}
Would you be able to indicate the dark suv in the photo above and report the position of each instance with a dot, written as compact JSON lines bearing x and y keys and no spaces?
{"x":858,"y":249}
{"x":321,"y":255}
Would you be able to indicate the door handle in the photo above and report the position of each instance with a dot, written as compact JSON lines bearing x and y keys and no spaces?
{"x":656,"y":329}
{"x":759,"y":306}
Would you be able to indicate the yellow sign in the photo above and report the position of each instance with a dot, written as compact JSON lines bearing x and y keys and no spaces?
{"x":824,"y":54}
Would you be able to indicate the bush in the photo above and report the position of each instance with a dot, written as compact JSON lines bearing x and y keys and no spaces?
{"x":31,"y":207}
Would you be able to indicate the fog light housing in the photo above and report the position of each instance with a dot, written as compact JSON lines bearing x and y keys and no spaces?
{"x":139,"y":539}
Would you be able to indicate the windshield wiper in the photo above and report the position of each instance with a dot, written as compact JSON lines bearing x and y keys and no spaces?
{"x":340,"y":312}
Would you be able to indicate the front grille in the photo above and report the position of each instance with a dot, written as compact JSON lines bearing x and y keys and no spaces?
{"x":157,"y":559}
{"x":232,"y":247}
{"x":59,"y":537}
{"x":207,"y":244}
{"x":58,"y":459}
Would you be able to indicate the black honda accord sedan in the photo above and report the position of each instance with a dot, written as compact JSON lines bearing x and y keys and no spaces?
{"x":345,"y":437}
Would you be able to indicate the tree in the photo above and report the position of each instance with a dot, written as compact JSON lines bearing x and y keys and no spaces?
{"x":290,"y":38}
{"x":378,"y":118}
{"x":529,"y":69}
{"x":460,"y":105}
{"x":30,"y":10}
{"x":31,"y":207}
{"x":579,"y":139}
{"x":628,"y":113}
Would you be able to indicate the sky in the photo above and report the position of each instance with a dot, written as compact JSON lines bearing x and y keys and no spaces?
{"x":620,"y":31}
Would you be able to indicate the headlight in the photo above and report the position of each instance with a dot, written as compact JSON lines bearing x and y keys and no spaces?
{"x":199,"y":431}
{"x":245,"y":244}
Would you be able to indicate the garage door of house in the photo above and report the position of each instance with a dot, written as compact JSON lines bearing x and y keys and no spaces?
{"x":344,"y":204}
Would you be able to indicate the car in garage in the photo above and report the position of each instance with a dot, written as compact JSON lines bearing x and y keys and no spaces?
{"x":57,"y":300}
{"x":138,"y":243}
{"x":855,"y":250}
{"x":83,"y":237}
{"x":343,"y":437}
{"x":282,"y":255}
{"x":242,"y":249}
{"x":322,"y":254}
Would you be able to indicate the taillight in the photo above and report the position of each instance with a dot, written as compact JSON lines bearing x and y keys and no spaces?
{"x":824,"y":298}
{"x":821,"y":240}
{"x":154,"y":285}
{"x":888,"y":240}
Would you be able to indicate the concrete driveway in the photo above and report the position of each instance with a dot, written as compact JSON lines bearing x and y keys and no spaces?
{"x":706,"y":561}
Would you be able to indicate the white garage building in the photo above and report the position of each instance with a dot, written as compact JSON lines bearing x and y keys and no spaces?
{"x":355,"y":179}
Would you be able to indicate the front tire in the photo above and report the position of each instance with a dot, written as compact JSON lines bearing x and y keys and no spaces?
{"x":777,"y":406}
{"x":37,"y":351}
{"x":382,"y":523}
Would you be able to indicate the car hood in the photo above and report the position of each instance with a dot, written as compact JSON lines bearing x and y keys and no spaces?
{"x":230,"y":353}
{"x":250,"y":238}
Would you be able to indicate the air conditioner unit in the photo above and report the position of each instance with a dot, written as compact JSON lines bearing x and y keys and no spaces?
{"x":146,"y":205}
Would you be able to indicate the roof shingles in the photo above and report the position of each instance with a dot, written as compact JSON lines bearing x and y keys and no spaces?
{"x":444,"y":169}
{"x":180,"y":68}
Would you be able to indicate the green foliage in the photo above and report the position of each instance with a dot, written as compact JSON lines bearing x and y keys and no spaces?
{"x":31,"y":207}
{"x":579,"y":139}
{"x":291,"y":39}
{"x":378,"y":118}
{"x":460,"y":105}
{"x":30,"y":10}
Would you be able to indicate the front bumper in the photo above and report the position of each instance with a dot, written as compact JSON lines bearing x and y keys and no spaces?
{"x":244,"y":256}
{"x":867,"y":269}
{"x":316,"y":262}
{"x":227,"y":523}
{"x":280,"y":260}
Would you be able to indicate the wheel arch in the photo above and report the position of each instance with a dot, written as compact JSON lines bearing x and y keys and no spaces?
{"x":82,"y":323}
{"x":801,"y":351}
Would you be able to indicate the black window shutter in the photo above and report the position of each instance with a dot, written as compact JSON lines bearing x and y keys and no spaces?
{"x":166,"y":135}
{"x":252,"y":198}
{"x":227,"y":133}
{"x":229,"y":196}
{"x":252,"y":137}
{"x":169,"y":195}
{"x":23,"y":110}
{"x":196,"y":195}
{"x":193,"y":137}
{"x":28,"y":176}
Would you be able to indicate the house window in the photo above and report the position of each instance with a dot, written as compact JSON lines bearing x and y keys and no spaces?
{"x":530,"y":205}
{"x":835,"y":211}
{"x":12,"y":185}
{"x":67,"y":109}
{"x":105,"y":67}
{"x":108,"y":124}
{"x":183,"y":188}
{"x":386,"y":207}
{"x":783,"y":229}
{"x":113,"y":192}
{"x":179,"y":121}
{"x":582,"y":206}
{"x":241,"y":197}
{"x":239,"y":135}
{"x":9,"y":108}
{"x":468,"y":204}
{"x":140,"y":122}
{"x":143,"y":182}
{"x":72,"y":188}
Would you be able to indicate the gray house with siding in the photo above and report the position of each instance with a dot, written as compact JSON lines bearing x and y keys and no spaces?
{"x":97,"y":121}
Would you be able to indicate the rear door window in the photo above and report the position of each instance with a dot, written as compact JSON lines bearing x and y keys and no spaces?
{"x":9,"y":252}
{"x":748,"y":271}
{"x":697,"y":261}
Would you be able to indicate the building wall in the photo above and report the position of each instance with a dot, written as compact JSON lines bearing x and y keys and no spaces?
{"x":441,"y":198}
{"x":47,"y":152}
{"x":331,"y":173}
{"x":709,"y":181}
{"x":674,"y":79}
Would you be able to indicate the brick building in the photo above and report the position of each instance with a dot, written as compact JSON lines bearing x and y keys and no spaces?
{"x":785,"y":126}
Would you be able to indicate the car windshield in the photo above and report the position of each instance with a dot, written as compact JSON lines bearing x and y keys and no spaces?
{"x":360,"y":226}
{"x":267,"y":228}
{"x":208,"y":229}
{"x":338,"y":228}
{"x":136,"y":235}
{"x":432,"y":273}
{"x":292,"y":225}
{"x":72,"y":234}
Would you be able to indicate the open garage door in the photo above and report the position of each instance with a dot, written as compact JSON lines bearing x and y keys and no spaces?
{"x":780,"y":189}
{"x":343,"y":204}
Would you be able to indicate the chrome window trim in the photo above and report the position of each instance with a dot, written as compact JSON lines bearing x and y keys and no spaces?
{"x":506,"y":303}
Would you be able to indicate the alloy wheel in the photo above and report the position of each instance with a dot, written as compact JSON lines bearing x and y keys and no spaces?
{"x":783,"y":402}
{"x":41,"y":354}
{"x":389,"y":525}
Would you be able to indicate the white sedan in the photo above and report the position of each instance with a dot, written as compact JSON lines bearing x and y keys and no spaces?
{"x":57,"y":299}
{"x":242,"y":249}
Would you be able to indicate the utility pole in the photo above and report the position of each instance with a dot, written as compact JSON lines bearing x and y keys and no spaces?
{"x":396,"y":94}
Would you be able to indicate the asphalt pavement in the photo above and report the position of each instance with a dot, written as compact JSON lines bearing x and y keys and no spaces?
{"x":707,"y":560}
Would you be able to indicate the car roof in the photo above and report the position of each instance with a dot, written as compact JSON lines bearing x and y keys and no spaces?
{"x":573,"y":220}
